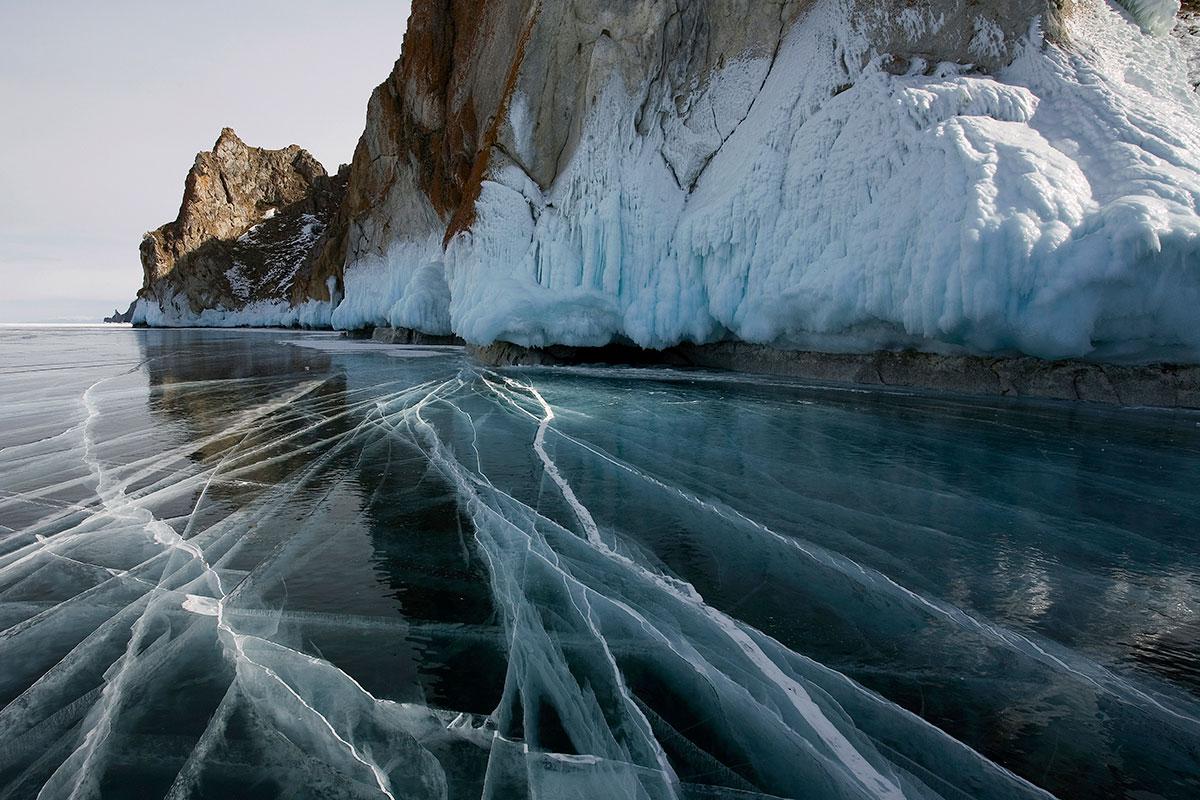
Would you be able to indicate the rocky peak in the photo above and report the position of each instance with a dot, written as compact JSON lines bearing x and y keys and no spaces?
{"x":249,"y":224}
{"x":229,"y":189}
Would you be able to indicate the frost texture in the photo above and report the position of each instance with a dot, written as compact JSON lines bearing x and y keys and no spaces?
{"x":1050,"y":210}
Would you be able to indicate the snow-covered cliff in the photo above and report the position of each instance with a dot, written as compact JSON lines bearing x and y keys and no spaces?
{"x":1003,"y":176}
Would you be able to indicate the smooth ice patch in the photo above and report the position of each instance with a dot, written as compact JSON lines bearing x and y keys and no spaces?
{"x":351,"y":347}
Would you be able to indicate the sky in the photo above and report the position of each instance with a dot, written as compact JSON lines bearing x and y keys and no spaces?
{"x":105,"y":103}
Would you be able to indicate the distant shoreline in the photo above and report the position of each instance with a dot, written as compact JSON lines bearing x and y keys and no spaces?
{"x":66,"y":324}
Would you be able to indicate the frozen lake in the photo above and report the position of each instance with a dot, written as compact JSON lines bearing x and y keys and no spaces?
{"x":253,"y":564}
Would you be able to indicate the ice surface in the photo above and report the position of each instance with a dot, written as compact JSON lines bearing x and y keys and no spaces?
{"x":239,"y":564}
{"x":335,"y":343}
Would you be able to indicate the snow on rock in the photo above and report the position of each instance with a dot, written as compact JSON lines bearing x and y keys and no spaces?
{"x":1022,"y":177}
{"x":1049,"y":208}
{"x":243,"y":246}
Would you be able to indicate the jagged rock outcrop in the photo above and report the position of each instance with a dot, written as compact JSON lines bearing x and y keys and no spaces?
{"x":250,"y":225}
{"x":125,"y":316}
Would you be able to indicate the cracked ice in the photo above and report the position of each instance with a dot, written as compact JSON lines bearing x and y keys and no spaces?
{"x":237,"y":566}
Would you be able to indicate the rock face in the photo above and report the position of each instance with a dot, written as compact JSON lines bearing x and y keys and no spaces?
{"x":1155,"y":385}
{"x":1000,"y":178}
{"x":251,"y":223}
{"x":482,"y":89}
{"x":122,"y":316}
{"x":1187,"y":32}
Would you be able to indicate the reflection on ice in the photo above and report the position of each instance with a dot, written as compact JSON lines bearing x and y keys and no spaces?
{"x":234,"y":567}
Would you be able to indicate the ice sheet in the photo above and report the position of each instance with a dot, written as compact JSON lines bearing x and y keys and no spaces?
{"x":296,"y":567}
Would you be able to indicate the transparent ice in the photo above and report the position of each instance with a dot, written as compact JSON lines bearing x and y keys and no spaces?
{"x":269,"y":564}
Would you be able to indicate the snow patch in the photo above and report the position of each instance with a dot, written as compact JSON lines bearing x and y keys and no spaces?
{"x":988,"y":41}
{"x":239,"y":282}
{"x":204,"y":606}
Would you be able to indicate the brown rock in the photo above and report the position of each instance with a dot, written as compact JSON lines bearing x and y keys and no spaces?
{"x":248,"y":228}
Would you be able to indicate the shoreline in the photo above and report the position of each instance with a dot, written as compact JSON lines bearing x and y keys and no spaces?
{"x":1159,"y":385}
{"x":1149,"y":385}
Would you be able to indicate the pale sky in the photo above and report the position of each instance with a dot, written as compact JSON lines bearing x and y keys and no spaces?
{"x":105,"y":103}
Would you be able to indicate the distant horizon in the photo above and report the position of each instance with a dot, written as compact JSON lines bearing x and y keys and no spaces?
{"x":108,"y":107}
{"x":62,"y":324}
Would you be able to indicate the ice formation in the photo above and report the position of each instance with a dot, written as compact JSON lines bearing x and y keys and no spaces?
{"x":1155,"y":16}
{"x":172,"y":311}
{"x":405,"y":289}
{"x":1050,"y":209}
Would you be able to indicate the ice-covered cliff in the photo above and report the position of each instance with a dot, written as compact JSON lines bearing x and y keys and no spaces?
{"x":1000,"y":176}
{"x":242,"y":249}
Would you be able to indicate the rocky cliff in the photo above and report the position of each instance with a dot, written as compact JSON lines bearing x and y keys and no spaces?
{"x":997,"y":177}
{"x":992,"y":178}
{"x":122,"y":317}
{"x":625,"y":105}
{"x":242,"y":249}
{"x":1187,"y":31}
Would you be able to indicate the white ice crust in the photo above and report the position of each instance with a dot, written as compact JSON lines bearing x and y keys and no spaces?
{"x":174,"y":312}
